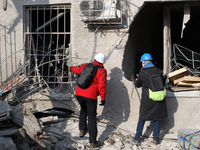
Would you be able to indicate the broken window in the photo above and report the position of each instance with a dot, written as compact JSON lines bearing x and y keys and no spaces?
{"x":47,"y":39}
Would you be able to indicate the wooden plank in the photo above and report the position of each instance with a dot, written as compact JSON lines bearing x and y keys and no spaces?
{"x":178,"y":74}
{"x":188,"y":84}
{"x":187,"y":79}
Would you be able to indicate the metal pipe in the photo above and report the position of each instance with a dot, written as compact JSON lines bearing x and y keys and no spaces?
{"x":4,"y":5}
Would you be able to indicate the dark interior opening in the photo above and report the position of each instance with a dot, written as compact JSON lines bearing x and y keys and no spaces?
{"x":191,"y":31}
{"x":50,"y":28}
{"x":146,"y":34}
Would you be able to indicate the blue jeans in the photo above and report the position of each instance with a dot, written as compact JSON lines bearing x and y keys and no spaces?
{"x":156,"y":129}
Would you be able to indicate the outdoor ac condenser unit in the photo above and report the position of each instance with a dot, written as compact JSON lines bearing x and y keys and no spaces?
{"x":98,"y":10}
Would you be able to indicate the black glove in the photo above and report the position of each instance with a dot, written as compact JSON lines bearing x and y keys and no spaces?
{"x":102,"y":103}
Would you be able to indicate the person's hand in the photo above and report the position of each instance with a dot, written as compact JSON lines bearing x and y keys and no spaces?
{"x":69,"y":68}
{"x":102,"y":103}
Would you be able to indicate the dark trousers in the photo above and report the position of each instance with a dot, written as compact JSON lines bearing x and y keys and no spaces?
{"x":88,"y":109}
{"x":156,"y":129}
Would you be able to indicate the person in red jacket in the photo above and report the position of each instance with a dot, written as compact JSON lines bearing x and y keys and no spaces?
{"x":87,"y":98}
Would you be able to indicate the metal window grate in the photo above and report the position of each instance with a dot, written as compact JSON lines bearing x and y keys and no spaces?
{"x":47,"y":38}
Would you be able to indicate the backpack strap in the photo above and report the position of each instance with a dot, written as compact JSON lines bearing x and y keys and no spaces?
{"x":97,"y":69}
{"x":146,"y":87}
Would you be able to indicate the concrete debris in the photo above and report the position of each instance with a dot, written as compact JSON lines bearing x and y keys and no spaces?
{"x":24,"y":118}
{"x":7,"y":143}
{"x":65,"y":135}
{"x":8,"y":132}
{"x":4,"y":110}
{"x":41,"y":122}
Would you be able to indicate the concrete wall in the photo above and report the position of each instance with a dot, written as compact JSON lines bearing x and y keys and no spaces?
{"x":122,"y":107}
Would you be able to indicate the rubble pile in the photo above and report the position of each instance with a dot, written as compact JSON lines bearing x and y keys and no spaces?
{"x":59,"y":131}
{"x":64,"y":135}
{"x":120,"y":141}
{"x":46,"y":120}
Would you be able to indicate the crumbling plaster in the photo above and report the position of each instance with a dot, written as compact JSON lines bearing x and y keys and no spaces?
{"x":121,"y":108}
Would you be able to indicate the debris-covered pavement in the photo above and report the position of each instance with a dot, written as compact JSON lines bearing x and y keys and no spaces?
{"x":64,"y":135}
{"x":46,"y":123}
{"x":56,"y":128}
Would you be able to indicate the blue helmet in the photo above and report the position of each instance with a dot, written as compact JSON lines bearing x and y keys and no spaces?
{"x":146,"y":56}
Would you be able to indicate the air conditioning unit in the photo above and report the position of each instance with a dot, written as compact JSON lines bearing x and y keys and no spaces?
{"x":98,"y":10}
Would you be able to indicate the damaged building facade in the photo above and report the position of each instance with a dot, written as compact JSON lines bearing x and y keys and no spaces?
{"x":39,"y":40}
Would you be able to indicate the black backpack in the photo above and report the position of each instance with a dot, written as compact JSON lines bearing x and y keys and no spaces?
{"x":156,"y":88}
{"x":86,"y":75}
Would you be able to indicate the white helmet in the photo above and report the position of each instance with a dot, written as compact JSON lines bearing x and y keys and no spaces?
{"x":100,"y":57}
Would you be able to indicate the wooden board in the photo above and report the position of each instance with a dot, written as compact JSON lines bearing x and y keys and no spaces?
{"x":187,"y":79}
{"x":178,"y":74}
{"x":188,"y":84}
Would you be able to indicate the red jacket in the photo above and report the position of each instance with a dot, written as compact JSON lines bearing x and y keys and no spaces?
{"x":95,"y":89}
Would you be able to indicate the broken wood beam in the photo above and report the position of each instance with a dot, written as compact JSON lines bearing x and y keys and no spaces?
{"x":191,"y":79}
{"x":192,"y":84}
{"x":178,"y":74}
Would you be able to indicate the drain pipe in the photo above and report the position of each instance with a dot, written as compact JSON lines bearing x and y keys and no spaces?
{"x":4,"y":5}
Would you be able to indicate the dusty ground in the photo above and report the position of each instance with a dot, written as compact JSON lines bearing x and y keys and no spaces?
{"x":64,"y":135}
